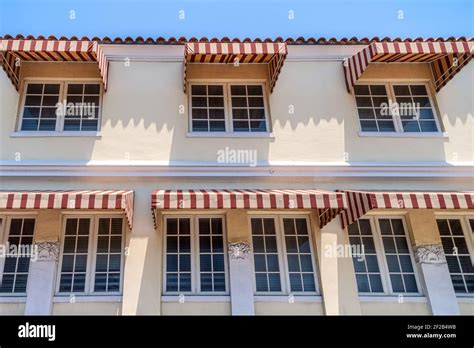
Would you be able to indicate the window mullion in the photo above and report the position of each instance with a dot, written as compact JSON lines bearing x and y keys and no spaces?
{"x":62,"y":99}
{"x":394,"y":107}
{"x":92,"y":251}
{"x":195,"y":266}
{"x":228,"y":108}
{"x":386,"y":283}
{"x":281,"y":247}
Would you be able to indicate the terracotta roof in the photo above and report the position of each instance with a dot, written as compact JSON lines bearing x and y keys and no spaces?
{"x":291,"y":41}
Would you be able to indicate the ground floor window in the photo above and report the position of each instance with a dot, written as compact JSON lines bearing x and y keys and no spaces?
{"x":283,"y":255}
{"x":457,"y":238}
{"x":195,"y":255}
{"x":17,"y":235}
{"x":92,"y":255}
{"x":386,"y":262}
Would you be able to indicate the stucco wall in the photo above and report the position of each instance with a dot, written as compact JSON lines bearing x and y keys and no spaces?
{"x":395,"y":308}
{"x":141,"y":119}
{"x":87,"y":308}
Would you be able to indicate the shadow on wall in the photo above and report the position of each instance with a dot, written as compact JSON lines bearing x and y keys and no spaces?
{"x":313,"y":119}
{"x":455,"y":117}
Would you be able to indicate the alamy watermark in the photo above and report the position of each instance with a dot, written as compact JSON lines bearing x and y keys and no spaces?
{"x":401,"y":109}
{"x":82,"y":109}
{"x":23,"y":250}
{"x":356,"y":251}
{"x":237,"y":156}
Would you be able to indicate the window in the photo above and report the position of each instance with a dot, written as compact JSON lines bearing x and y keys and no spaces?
{"x":395,"y":107}
{"x":456,"y":249}
{"x":195,"y":258}
{"x":61,"y":106}
{"x":283,"y":257}
{"x":16,"y":264}
{"x":398,"y":256}
{"x":92,"y":255}
{"x":228,"y":107}
{"x":386,"y":263}
{"x":366,"y":266}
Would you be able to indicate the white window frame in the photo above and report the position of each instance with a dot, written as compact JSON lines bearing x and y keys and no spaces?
{"x":282,"y":255}
{"x":91,"y":255}
{"x":380,"y":254}
{"x":195,"y":254}
{"x":382,"y":260}
{"x":4,"y":235}
{"x":63,"y":83}
{"x":468,"y":236}
{"x":397,"y":121}
{"x":226,"y":83}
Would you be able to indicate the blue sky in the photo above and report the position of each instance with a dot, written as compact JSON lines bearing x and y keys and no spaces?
{"x":238,"y":18}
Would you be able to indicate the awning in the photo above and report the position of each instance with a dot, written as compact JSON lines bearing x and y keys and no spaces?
{"x":328,"y":204}
{"x":361,"y":202}
{"x":14,"y":51}
{"x":446,"y":58}
{"x":103,"y":199}
{"x":271,"y":53}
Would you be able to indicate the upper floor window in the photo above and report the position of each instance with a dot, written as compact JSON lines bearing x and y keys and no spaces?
{"x":60,"y":106}
{"x":455,"y":235}
{"x":91,"y":255}
{"x":395,"y":107}
{"x":228,"y":107}
{"x":385,"y":264}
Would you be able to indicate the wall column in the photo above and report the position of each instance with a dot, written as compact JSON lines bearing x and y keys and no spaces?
{"x":143,"y":261}
{"x":43,"y":266}
{"x":240,"y":263}
{"x":432,"y":261}
{"x":336,"y":272}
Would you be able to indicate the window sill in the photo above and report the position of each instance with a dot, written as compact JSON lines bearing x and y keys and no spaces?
{"x":40,"y":134}
{"x":285,"y":298}
{"x":229,"y":135}
{"x":196,"y":298}
{"x":393,"y":299}
{"x":87,"y":298}
{"x":404,"y":135}
{"x":12,"y":299}
{"x":465,"y":298}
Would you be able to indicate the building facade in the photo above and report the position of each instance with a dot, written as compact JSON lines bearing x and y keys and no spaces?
{"x":171,"y":177}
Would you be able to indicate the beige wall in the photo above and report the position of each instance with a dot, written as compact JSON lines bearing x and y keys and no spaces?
{"x":466,"y":308}
{"x":286,"y":308}
{"x":195,"y":308}
{"x":395,"y":308}
{"x":12,"y":308}
{"x":87,"y":308}
{"x":141,"y":119}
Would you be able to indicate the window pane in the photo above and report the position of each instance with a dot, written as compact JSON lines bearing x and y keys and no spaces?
{"x":398,"y":256}
{"x":298,"y":252}
{"x":265,"y":255}
{"x":457,"y":254}
{"x":109,"y":255}
{"x":247,"y":101}
{"x":365,"y":263}
{"x":414,"y":108}
{"x":17,"y":265}
{"x":211,"y":251}
{"x":207,"y":103}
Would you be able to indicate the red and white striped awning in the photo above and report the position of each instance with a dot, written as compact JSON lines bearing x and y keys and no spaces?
{"x":361,"y":202}
{"x":14,"y":51}
{"x":271,"y":53}
{"x":446,"y":58}
{"x":103,"y":199}
{"x":328,"y":204}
